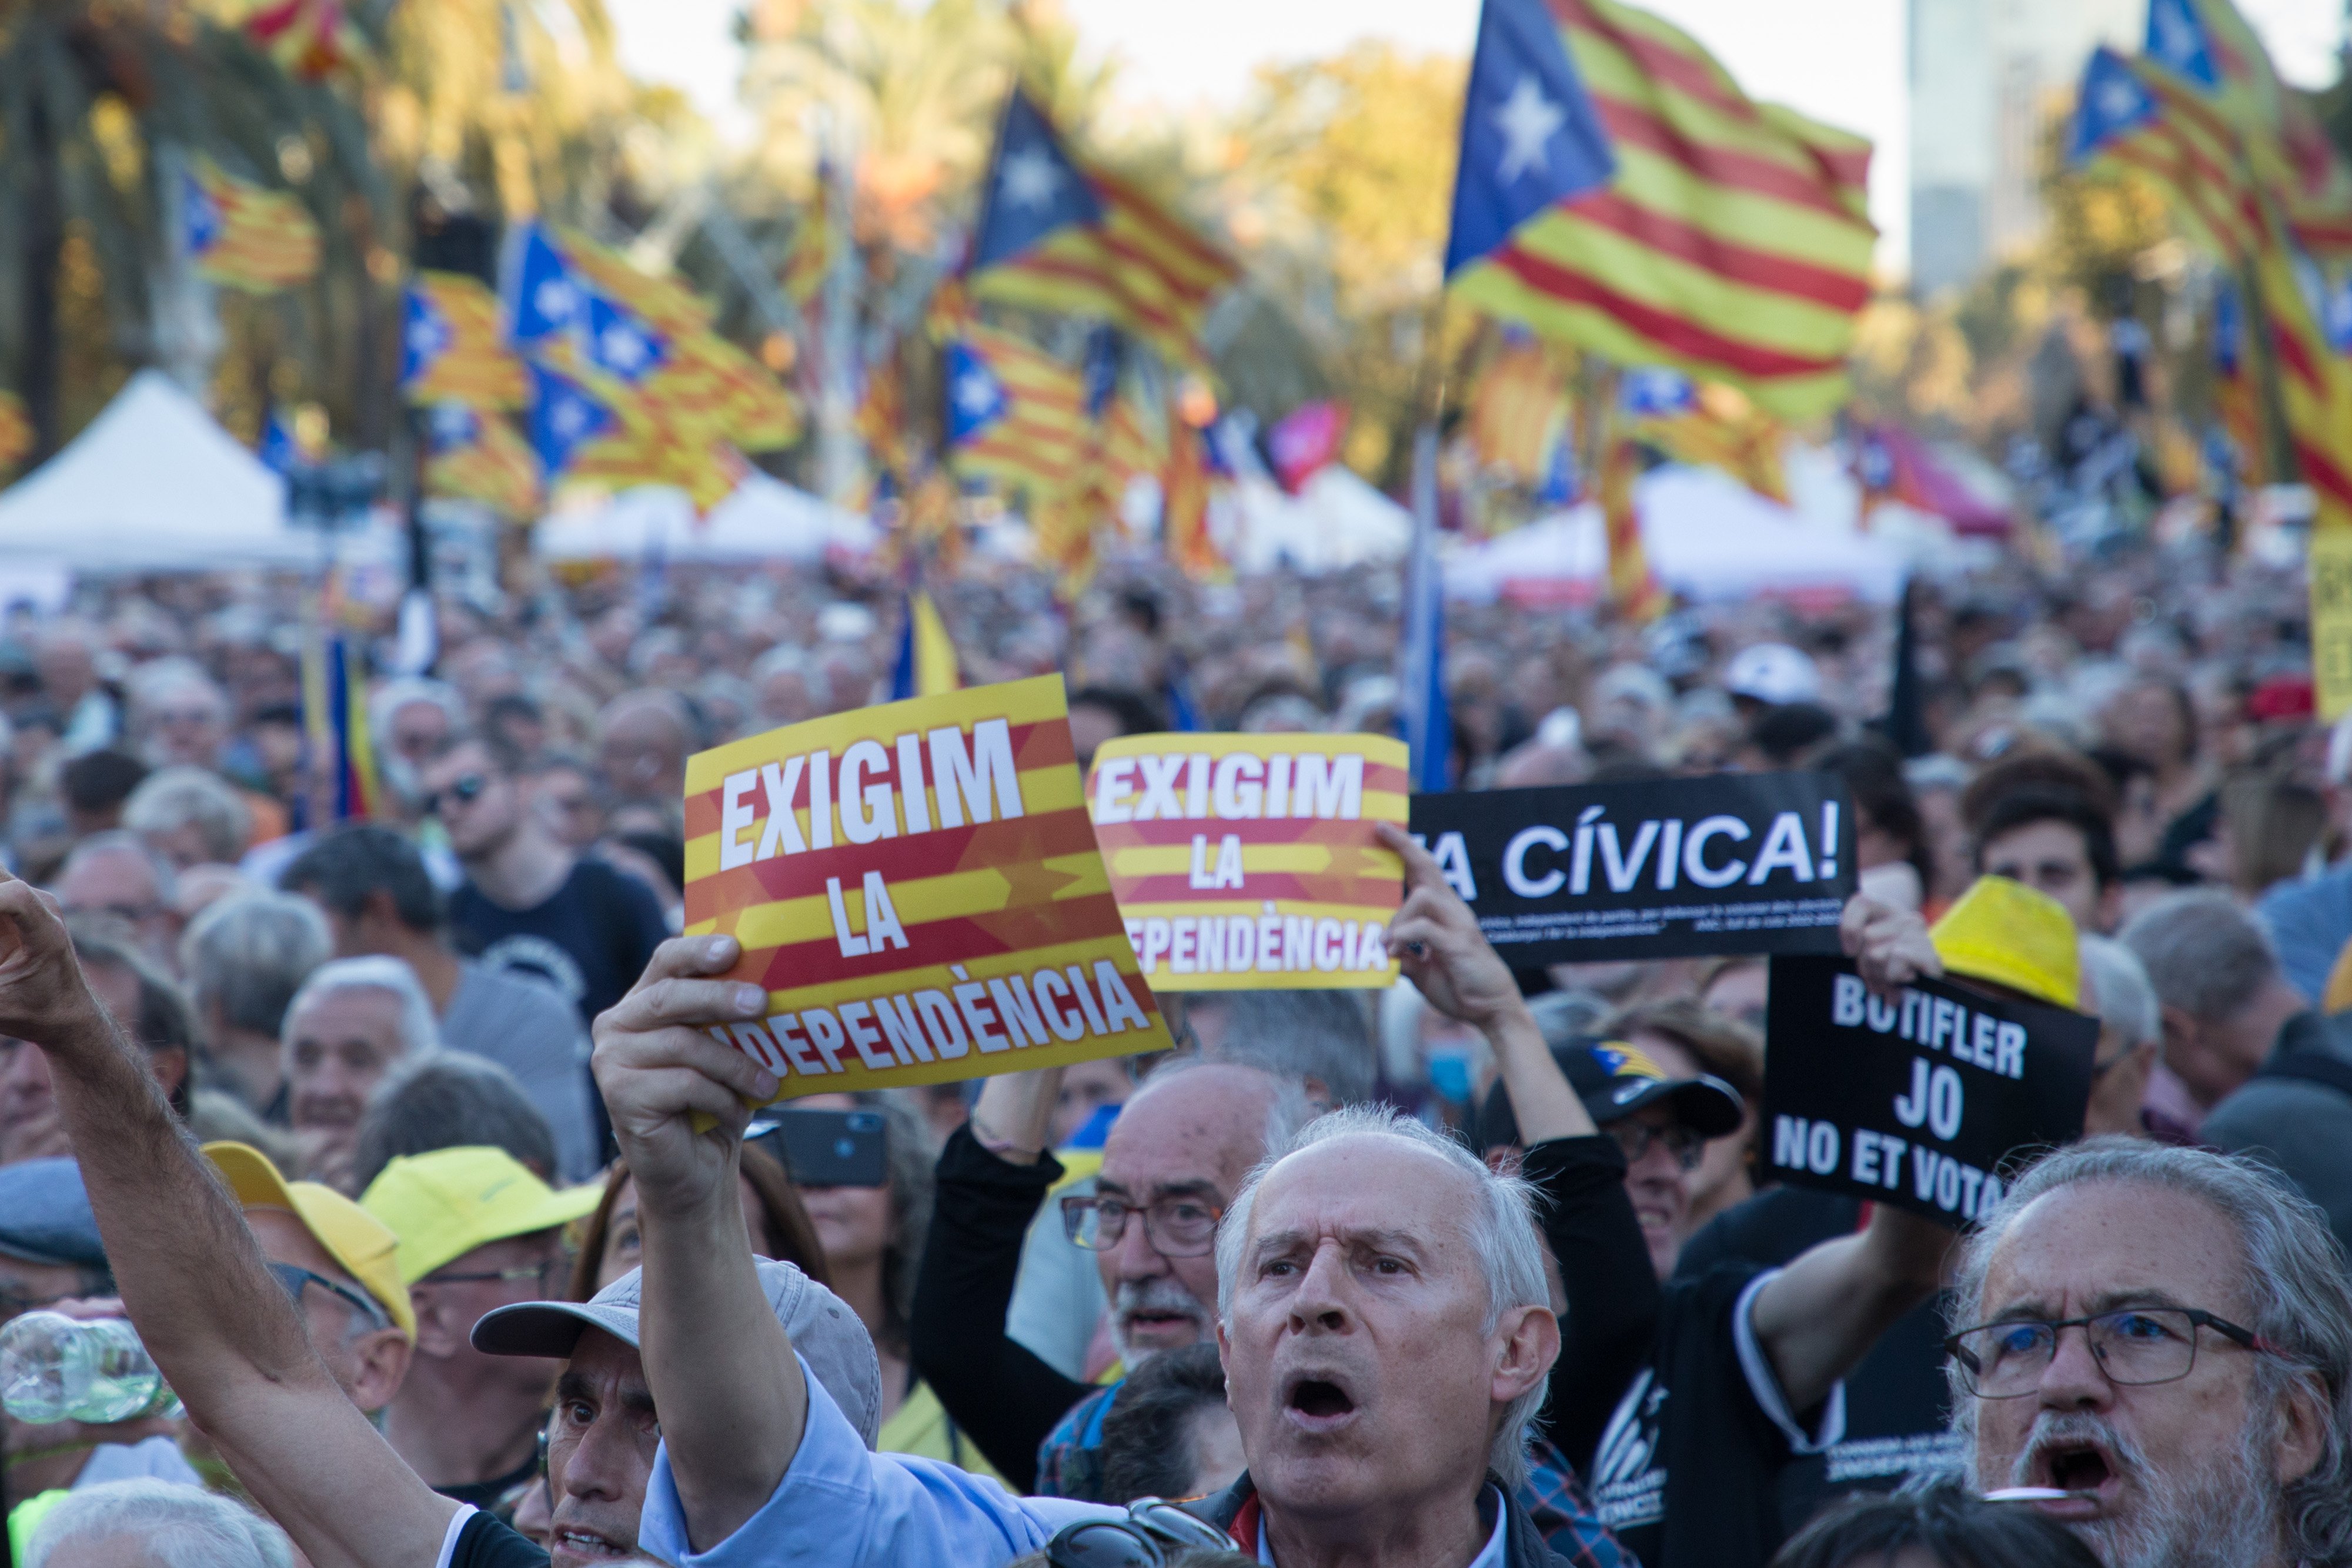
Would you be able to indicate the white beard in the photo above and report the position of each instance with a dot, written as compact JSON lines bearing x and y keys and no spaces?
{"x":2225,"y":1513}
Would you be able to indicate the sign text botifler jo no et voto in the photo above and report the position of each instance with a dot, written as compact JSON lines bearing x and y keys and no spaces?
{"x":917,"y":886}
{"x":1247,"y":861}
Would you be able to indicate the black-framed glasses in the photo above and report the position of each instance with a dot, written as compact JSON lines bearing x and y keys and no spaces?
{"x":2135,"y":1346}
{"x":1154,"y":1534}
{"x":537,"y":1273}
{"x":1684,"y":1143}
{"x":294,"y":1277}
{"x":466,"y":788}
{"x":1177,"y":1227}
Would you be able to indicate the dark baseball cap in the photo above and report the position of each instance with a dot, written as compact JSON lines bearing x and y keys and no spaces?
{"x":1615,"y":1080}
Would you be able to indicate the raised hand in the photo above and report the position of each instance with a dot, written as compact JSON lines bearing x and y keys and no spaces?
{"x":1436,"y":940}
{"x":660,"y":1071}
{"x":43,"y":996}
{"x":1888,"y":945}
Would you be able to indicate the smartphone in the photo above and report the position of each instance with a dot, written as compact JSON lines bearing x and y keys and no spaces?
{"x":825,"y":1148}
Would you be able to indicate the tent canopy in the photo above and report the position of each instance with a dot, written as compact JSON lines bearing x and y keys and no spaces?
{"x":1709,"y":539}
{"x":153,"y":484}
{"x":764,"y":519}
{"x":1336,"y":520}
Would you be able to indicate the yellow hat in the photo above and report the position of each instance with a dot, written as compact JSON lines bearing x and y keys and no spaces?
{"x":2009,"y":935}
{"x":444,"y":1203}
{"x":352,"y":1236}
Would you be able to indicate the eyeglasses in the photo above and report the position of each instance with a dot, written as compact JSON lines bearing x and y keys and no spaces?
{"x":1635,"y":1138}
{"x":2135,"y":1346}
{"x":466,"y":788}
{"x":1154,"y":1534}
{"x":537,"y":1273}
{"x":294,"y":1277}
{"x":1175,"y":1226}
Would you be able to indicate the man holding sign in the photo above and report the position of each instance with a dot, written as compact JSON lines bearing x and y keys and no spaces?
{"x":917,"y":887}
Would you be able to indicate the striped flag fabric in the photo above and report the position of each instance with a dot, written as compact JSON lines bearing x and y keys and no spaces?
{"x":1518,"y":407}
{"x":476,"y":456}
{"x":1184,"y":531}
{"x":927,"y":664}
{"x":809,"y":258}
{"x":1617,"y":189}
{"x":241,"y":236}
{"x":308,"y":38}
{"x":1016,"y":415}
{"x":2237,"y":392}
{"x":1632,"y":588}
{"x":335,"y":722}
{"x":452,"y":347}
{"x":1059,"y":235}
{"x":1722,"y":430}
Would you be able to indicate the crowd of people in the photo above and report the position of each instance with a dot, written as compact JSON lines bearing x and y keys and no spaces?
{"x":384,"y":1133}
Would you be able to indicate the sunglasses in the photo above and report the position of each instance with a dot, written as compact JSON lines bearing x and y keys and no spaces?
{"x":1154,"y":1534}
{"x":294,"y":1277}
{"x":466,"y":788}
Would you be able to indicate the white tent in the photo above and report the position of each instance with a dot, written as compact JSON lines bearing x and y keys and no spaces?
{"x":764,"y":519}
{"x":152,"y":484}
{"x":1708,"y":537}
{"x":1336,"y":520}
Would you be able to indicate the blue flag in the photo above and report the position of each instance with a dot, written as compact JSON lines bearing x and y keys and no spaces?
{"x":563,"y":416}
{"x":976,"y":398}
{"x":424,"y":334}
{"x":2111,"y":103}
{"x":1427,"y":719}
{"x":1033,"y":189}
{"x":620,"y":344}
{"x":1530,"y":137}
{"x":2178,"y":41}
{"x":542,"y":296}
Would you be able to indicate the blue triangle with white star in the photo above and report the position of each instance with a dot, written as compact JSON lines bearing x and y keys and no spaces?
{"x":2111,"y":103}
{"x":543,"y":298}
{"x":2177,"y":40}
{"x":621,"y":344}
{"x":424,"y":336}
{"x":200,"y":216}
{"x":1530,"y":137}
{"x":1034,"y":188}
{"x":563,"y":416}
{"x":976,"y":398}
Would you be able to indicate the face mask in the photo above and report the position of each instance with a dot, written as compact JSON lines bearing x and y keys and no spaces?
{"x":1449,"y":1072}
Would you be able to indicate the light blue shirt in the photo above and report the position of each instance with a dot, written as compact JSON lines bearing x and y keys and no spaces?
{"x":841,"y":1505}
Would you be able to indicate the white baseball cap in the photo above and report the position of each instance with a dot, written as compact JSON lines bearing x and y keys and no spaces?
{"x":1772,"y":672}
{"x":822,"y":1328}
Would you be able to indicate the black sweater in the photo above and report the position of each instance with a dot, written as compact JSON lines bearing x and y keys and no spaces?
{"x":1006,"y":1400}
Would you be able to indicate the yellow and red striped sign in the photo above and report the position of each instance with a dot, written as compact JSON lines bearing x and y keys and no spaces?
{"x":1247,"y":861}
{"x":918,"y":888}
{"x":1732,"y":242}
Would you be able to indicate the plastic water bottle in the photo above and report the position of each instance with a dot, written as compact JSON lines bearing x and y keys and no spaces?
{"x":56,"y":1369}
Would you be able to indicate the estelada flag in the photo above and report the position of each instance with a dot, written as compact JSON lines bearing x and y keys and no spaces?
{"x":1248,"y":861}
{"x":452,"y":348}
{"x":242,"y":236}
{"x":917,"y":887}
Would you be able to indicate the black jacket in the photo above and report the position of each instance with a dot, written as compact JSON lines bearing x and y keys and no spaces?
{"x":1522,"y":1547}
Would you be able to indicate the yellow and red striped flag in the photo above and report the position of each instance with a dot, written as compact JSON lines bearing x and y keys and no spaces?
{"x":479,"y":456}
{"x":1060,"y":235}
{"x":1015,"y":414}
{"x":16,"y":432}
{"x":1618,"y":191}
{"x":1722,"y":430}
{"x":1517,"y":407}
{"x":809,"y":259}
{"x":244,"y":236}
{"x":1632,"y":588}
{"x":308,"y":38}
{"x":452,"y":346}
{"x":1184,"y":508}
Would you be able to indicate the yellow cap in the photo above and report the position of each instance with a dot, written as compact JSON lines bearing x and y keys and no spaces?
{"x":444,"y":1203}
{"x":2009,"y":935}
{"x":352,"y":1236}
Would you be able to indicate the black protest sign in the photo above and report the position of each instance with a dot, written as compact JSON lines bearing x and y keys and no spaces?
{"x":1671,"y":868}
{"x":1917,"y":1101}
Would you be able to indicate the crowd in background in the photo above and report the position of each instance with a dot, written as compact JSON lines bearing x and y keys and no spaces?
{"x":380,"y":1032}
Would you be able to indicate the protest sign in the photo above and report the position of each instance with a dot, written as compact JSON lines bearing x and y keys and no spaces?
{"x":1247,"y":861}
{"x":918,"y":888}
{"x":1675,"y":868}
{"x":1918,"y":1101}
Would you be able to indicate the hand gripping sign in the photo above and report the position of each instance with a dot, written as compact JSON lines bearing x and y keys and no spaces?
{"x":1247,"y":861}
{"x":918,"y":888}
{"x":1919,"y":1100}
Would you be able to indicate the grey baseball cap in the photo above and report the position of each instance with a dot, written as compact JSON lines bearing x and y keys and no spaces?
{"x":822,"y":1328}
{"x":45,"y":1214}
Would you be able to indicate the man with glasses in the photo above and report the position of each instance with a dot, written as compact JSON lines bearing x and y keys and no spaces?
{"x":527,"y":902}
{"x":2158,"y":1341}
{"x":336,"y":1262}
{"x":476,"y":1232}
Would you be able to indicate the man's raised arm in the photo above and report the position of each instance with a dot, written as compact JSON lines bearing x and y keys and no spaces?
{"x":222,"y":1330}
{"x":732,"y":1398}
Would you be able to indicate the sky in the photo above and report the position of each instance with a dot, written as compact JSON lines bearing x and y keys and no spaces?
{"x":1840,"y":61}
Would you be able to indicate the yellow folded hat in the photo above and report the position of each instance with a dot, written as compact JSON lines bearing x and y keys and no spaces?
{"x":352,"y":1237}
{"x":2008,"y":934}
{"x":444,"y":1203}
